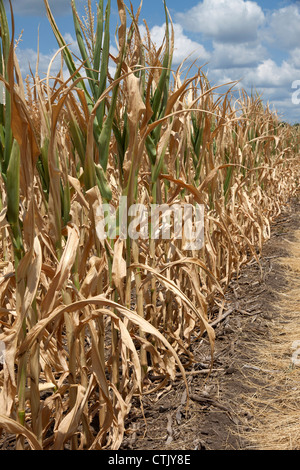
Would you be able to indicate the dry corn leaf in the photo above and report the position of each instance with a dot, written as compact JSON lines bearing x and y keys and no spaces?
{"x":172,"y":286}
{"x":63,"y":270}
{"x":12,"y":427}
{"x":69,"y":425}
{"x":119,"y":270}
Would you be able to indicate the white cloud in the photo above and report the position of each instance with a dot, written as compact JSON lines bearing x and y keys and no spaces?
{"x":285,"y":26}
{"x":269,"y":74}
{"x":260,"y":49}
{"x":271,"y":80}
{"x":28,"y":57}
{"x":239,"y":34}
{"x":72,"y":44}
{"x":237,"y":55}
{"x":183,"y":46}
{"x":224,"y":20}
{"x":295,"y":57}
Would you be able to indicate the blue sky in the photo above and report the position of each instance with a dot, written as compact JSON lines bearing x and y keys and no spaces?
{"x":257,"y":42}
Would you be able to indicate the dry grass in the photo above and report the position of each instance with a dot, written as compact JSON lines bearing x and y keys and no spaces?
{"x":275,"y":403}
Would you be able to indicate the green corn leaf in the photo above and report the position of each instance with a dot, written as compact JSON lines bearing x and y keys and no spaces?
{"x":45,"y":164}
{"x":103,"y":184}
{"x":78,"y":140}
{"x":99,"y":37}
{"x":66,"y":53}
{"x":159,"y":165}
{"x":90,"y":178}
{"x":103,"y":67}
{"x":151,"y":149}
{"x":158,"y":104}
{"x":83,"y":51}
{"x":66,"y":202}
{"x":122,"y":138}
{"x":105,"y":135}
{"x":105,"y":51}
{"x":5,"y":37}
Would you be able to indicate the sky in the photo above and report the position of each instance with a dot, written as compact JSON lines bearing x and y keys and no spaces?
{"x":254,"y":42}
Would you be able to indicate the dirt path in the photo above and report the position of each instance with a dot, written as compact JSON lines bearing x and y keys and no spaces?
{"x":252,"y":398}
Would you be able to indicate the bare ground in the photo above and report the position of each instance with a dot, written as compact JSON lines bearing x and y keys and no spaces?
{"x":251,"y":399}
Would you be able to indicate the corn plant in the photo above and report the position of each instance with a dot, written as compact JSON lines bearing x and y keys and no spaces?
{"x":87,"y":321}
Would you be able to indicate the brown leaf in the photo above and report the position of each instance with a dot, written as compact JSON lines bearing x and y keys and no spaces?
{"x":63,"y":269}
{"x":119,"y":270}
{"x":13,"y":427}
{"x":70,"y":422}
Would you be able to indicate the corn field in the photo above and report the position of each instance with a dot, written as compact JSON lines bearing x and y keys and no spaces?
{"x":89,"y":324}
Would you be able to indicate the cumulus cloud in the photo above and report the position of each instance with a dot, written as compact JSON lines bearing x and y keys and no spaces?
{"x":295,"y":57}
{"x":224,"y":20}
{"x":183,"y":47}
{"x":259,"y":48}
{"x":28,"y":57}
{"x":237,"y":55}
{"x":72,"y":44}
{"x":285,"y":26}
{"x":269,"y":74}
{"x":242,"y":42}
